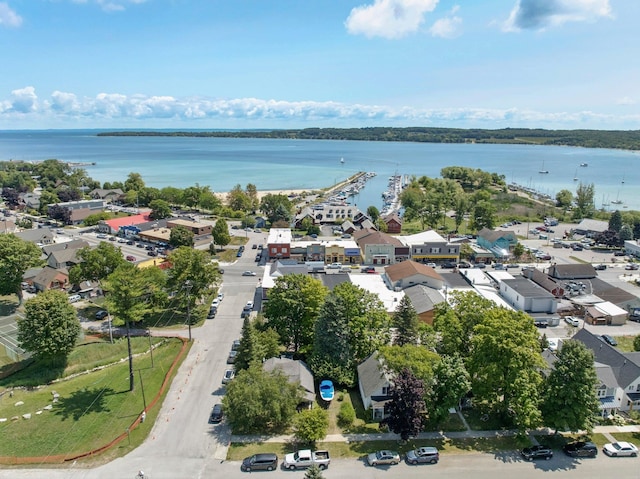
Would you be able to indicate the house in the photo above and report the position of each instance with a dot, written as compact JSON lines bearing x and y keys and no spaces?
{"x":75,"y":244}
{"x":65,"y":258}
{"x":279,"y":243}
{"x":348,"y":227}
{"x":50,"y":278}
{"x":572,"y":271}
{"x":39,"y":236}
{"x":29,"y":201}
{"x":394,"y":224}
{"x":429,"y":247}
{"x":605,"y":313}
{"x":500,"y":243}
{"x":108,"y":195}
{"x":374,"y":383}
{"x":408,"y":273}
{"x":424,"y":300}
{"x":625,"y":368}
{"x":297,"y":372}
{"x":543,"y":280}
{"x":303,"y":214}
{"x":525,"y":295}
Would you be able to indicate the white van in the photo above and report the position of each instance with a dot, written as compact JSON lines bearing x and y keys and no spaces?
{"x":74,"y":298}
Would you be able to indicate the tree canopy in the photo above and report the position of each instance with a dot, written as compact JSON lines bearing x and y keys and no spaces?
{"x":406,"y":409}
{"x":97,"y":263}
{"x":16,"y":257}
{"x":180,"y":236}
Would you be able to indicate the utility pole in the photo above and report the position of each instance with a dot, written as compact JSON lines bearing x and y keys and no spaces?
{"x":188,"y":285}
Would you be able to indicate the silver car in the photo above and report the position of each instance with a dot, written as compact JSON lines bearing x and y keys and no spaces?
{"x":383,"y":457}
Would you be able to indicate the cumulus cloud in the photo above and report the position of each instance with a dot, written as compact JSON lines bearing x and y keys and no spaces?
{"x":449,"y":26}
{"x":388,"y":18}
{"x":63,"y":108}
{"x":111,"y":5}
{"x":540,"y":14}
{"x":626,"y":101}
{"x":8,"y":17}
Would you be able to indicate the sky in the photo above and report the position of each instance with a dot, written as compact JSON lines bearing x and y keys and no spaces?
{"x":229,"y":64}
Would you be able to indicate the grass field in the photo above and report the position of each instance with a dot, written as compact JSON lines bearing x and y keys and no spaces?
{"x":92,"y":409}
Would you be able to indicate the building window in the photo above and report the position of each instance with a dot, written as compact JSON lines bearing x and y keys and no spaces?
{"x":284,"y":250}
{"x":435,"y":250}
{"x":274,"y":250}
{"x":385,"y":390}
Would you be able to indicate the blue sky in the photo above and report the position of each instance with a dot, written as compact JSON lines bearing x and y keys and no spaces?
{"x":319,"y":63}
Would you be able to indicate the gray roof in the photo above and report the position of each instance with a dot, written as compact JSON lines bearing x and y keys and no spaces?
{"x":625,"y":369}
{"x":65,"y":256}
{"x":596,"y":226}
{"x":73,"y":244}
{"x":572,"y":271}
{"x":296,"y":371}
{"x":371,"y":375}
{"x":330,"y":281}
{"x":36,"y":235}
{"x":605,"y":375}
{"x":455,"y":281}
{"x":613,"y":294}
{"x":527,"y":288}
{"x":423,"y":298}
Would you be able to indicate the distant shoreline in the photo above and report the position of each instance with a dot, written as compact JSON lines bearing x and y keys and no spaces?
{"x":612,"y":139}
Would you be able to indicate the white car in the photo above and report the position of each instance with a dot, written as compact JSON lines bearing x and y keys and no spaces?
{"x":220,"y":297}
{"x":215,"y":303}
{"x":572,"y":321}
{"x":335,"y":266}
{"x":249,"y":273}
{"x":229,"y":374}
{"x":249,"y":304}
{"x":620,"y":448}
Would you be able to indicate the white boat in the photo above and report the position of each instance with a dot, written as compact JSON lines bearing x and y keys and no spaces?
{"x":575,"y":176}
{"x":584,"y":165}
{"x":341,"y":160}
{"x":542,"y":170}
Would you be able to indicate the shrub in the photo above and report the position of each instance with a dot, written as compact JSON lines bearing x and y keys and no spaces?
{"x":347,"y":415}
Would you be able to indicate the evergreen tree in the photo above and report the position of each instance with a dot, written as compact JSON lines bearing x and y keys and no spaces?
{"x":615,"y":221}
{"x":405,"y":320}
{"x":313,"y":472}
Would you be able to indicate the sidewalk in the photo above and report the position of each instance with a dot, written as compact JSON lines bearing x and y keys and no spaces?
{"x":389,"y":436}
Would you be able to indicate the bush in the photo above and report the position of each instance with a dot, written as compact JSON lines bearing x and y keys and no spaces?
{"x":311,"y":425}
{"x":347,"y":415}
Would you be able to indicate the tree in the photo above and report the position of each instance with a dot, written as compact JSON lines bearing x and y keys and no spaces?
{"x":518,"y":250}
{"x":483,"y":215}
{"x":585,"y":206}
{"x":313,"y":472}
{"x":134,"y":182}
{"x":252,"y":193}
{"x":373,"y":213}
{"x":97,"y":263}
{"x":615,"y":221}
{"x":564,"y":199}
{"x":293,"y":308}
{"x":259,"y":401}
{"x":127,"y":294}
{"x":636,"y":343}
{"x":160,"y":209}
{"x":569,"y":398}
{"x":406,"y":409}
{"x":16,"y":257}
{"x":257,"y":343}
{"x":220,"y":233}
{"x":50,"y":326}
{"x":276,"y":207}
{"x":505,"y":364}
{"x":405,"y":320}
{"x":311,"y":425}
{"x":238,"y":200}
{"x":180,"y":236}
{"x":59,"y":213}
{"x":417,"y":359}
{"x":451,"y":383}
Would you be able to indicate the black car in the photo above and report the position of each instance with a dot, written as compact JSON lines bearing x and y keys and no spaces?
{"x":216,"y":414}
{"x":609,"y":340}
{"x":152,"y":253}
{"x":537,"y":452}
{"x":368,"y":269}
{"x":101,"y":314}
{"x":448,"y":265}
{"x":264,"y":461}
{"x":540,"y":322}
{"x":600,"y":267}
{"x":581,"y":449}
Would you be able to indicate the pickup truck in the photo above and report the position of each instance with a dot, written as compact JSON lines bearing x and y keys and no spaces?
{"x":306,"y":458}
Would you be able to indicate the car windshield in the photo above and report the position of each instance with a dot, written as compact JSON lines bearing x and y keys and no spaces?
{"x":616,"y":445}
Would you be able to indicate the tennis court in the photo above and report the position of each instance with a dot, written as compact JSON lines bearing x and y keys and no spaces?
{"x":9,"y":347}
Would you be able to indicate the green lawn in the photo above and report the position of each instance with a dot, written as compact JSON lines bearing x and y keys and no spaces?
{"x":92,"y":409}
{"x":625,"y":343}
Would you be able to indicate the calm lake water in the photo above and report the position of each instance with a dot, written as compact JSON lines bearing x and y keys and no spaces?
{"x":306,"y":164}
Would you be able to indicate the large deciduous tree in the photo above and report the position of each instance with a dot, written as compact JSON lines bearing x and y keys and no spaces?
{"x":406,"y":409}
{"x":160,"y":209}
{"x":220,"y":233}
{"x":260,"y":401}
{"x":569,"y":395}
{"x":505,"y":364}
{"x":16,"y":257}
{"x":97,"y":263}
{"x":451,"y":382}
{"x":417,"y":359}
{"x":180,"y":236}
{"x":311,"y":425}
{"x":276,"y":207}
{"x":134,"y":182}
{"x":293,"y":308}
{"x":585,"y":205}
{"x":50,"y":326}
{"x":257,"y":343}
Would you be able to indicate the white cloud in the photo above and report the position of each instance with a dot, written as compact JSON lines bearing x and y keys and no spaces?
{"x":449,"y":26}
{"x":626,"y":101}
{"x":8,"y":17}
{"x":539,"y":14}
{"x":113,"y":109}
{"x":111,"y":5}
{"x":388,"y":18}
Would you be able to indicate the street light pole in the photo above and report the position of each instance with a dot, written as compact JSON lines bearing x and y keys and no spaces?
{"x":188,"y":286}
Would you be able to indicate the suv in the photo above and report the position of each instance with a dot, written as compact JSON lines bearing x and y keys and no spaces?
{"x":265,"y":461}
{"x":537,"y":452}
{"x":581,"y":449}
{"x":423,"y":455}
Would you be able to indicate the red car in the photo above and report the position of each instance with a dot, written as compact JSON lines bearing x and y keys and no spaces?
{"x":131,"y":258}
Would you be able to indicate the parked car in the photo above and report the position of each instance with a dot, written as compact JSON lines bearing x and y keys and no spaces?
{"x":572,"y":321}
{"x":266,"y":461}
{"x":131,"y":258}
{"x":609,"y":340}
{"x":101,"y":314}
{"x":432,"y":265}
{"x":620,"y":448}
{"x":537,"y":452}
{"x":306,"y":458}
{"x":213,"y":310}
{"x":423,"y":455}
{"x":235,"y":345}
{"x":498,"y":266}
{"x":232,"y":357}
{"x":74,"y":298}
{"x":631,"y":267}
{"x":540,"y":322}
{"x":248,"y":273}
{"x":464,"y":264}
{"x":239,"y":254}
{"x":368,"y":269}
{"x":101,"y":236}
{"x":480,"y":265}
{"x":216,"y":414}
{"x":600,"y":267}
{"x":152,"y":253}
{"x":334,"y":266}
{"x":448,"y":265}
{"x":580,"y":449}
{"x":619,"y":253}
{"x":383,"y":457}
{"x":326,"y":390}
{"x":228,"y":376}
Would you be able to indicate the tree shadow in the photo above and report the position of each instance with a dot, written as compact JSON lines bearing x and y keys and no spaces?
{"x":83,"y":402}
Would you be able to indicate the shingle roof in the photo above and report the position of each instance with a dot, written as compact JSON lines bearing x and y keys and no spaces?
{"x":296,"y":371}
{"x":371,"y":375}
{"x":375,"y":237}
{"x":423,"y":298}
{"x":406,"y":269}
{"x":572,"y":271}
{"x":68,"y":245}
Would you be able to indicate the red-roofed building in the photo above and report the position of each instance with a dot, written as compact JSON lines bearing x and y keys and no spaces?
{"x":114,"y":225}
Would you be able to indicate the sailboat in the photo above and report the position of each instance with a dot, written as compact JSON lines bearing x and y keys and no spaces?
{"x":542,"y":170}
{"x":341,"y":160}
{"x":617,"y":201}
{"x":575,"y":175}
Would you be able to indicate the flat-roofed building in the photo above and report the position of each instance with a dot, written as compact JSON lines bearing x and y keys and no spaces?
{"x":279,"y":243}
